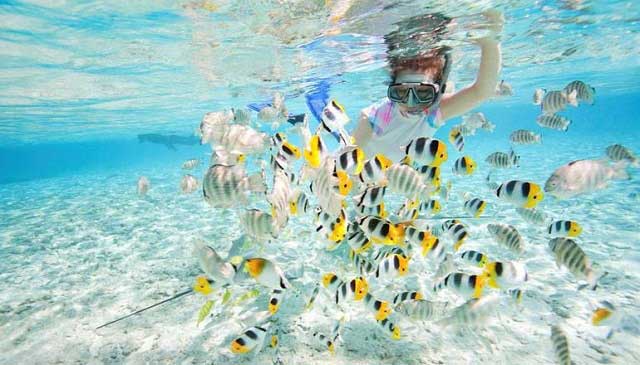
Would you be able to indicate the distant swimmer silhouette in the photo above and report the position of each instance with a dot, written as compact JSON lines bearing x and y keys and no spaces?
{"x":169,"y":140}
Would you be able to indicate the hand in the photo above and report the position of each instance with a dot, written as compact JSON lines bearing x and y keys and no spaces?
{"x":494,"y":22}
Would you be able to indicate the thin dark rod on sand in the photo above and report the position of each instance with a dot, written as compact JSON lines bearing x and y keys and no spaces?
{"x":147,"y":308}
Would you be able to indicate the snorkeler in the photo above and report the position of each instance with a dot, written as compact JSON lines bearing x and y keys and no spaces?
{"x":416,"y":104}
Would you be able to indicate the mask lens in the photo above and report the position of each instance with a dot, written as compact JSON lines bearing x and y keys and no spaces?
{"x":399,"y":92}
{"x":425,"y":93}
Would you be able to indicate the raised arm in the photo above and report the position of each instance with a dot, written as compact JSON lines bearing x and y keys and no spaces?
{"x":482,"y":89}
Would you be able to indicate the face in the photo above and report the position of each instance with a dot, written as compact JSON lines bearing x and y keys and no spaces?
{"x":412,"y":106}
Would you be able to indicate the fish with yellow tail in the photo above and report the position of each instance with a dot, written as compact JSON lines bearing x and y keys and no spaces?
{"x":357,"y":239}
{"x":202,"y":286}
{"x":380,"y":230}
{"x":508,"y":236}
{"x":275,"y":300}
{"x":473,"y":313}
{"x":564,"y":228}
{"x":355,"y":289}
{"x":425,"y":151}
{"x":390,"y":328}
{"x":420,"y":238}
{"x":378,"y":210}
{"x":430,"y":207}
{"x":380,"y":308}
{"x":465,"y":165}
{"x":342,"y":184}
{"x":325,"y":341}
{"x":371,"y":196}
{"x":430,"y":174}
{"x":456,"y":139}
{"x":506,"y":274}
{"x":405,"y":296}
{"x":373,"y":171}
{"x":315,"y":152}
{"x":474,"y":207}
{"x":465,"y":285}
{"x":523,"y":194}
{"x":560,"y":345}
{"x":433,"y":249}
{"x":266,"y":273}
{"x":393,"y":266}
{"x":567,"y":253}
{"x":606,"y":314}
{"x":252,"y":339}
{"x":350,"y":160}
{"x":475,"y":257}
{"x":335,"y":229}
{"x":363,"y":265}
{"x":457,"y":231}
{"x":299,"y":203}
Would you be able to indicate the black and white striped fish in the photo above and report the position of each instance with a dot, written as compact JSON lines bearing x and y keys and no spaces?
{"x":585,"y":92}
{"x":425,"y":151}
{"x":618,"y":152}
{"x":475,"y":207}
{"x":456,"y":139}
{"x":407,"y":295}
{"x":564,"y":228}
{"x":403,"y":179}
{"x":249,"y":340}
{"x":523,"y":136}
{"x":422,"y":310}
{"x":224,"y":186}
{"x":567,"y":253}
{"x":507,"y":235}
{"x":371,"y":196}
{"x":501,"y":160}
{"x":554,"y":121}
{"x":465,"y":285}
{"x":555,"y":101}
{"x":373,"y":171}
{"x":533,"y":216}
{"x":560,"y":346}
{"x":258,"y":224}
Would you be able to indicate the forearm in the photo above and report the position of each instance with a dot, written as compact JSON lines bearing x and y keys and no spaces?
{"x":484,"y":86}
{"x":489,"y":71}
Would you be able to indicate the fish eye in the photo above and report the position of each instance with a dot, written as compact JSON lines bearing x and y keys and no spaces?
{"x":442,"y":155}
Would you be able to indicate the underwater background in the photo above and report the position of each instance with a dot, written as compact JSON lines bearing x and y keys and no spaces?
{"x":81,"y":81}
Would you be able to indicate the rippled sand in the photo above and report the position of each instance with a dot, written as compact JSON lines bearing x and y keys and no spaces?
{"x":79,"y":251}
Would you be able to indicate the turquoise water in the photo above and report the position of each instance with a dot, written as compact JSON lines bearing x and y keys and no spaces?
{"x":79,"y":247}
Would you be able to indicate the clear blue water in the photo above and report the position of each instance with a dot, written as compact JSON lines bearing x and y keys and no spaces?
{"x":79,"y":247}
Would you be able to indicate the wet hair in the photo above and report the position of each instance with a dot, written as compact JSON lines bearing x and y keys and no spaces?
{"x":433,"y":65}
{"x":416,"y":46}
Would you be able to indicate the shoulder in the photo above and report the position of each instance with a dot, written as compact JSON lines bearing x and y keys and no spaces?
{"x":375,"y":108}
